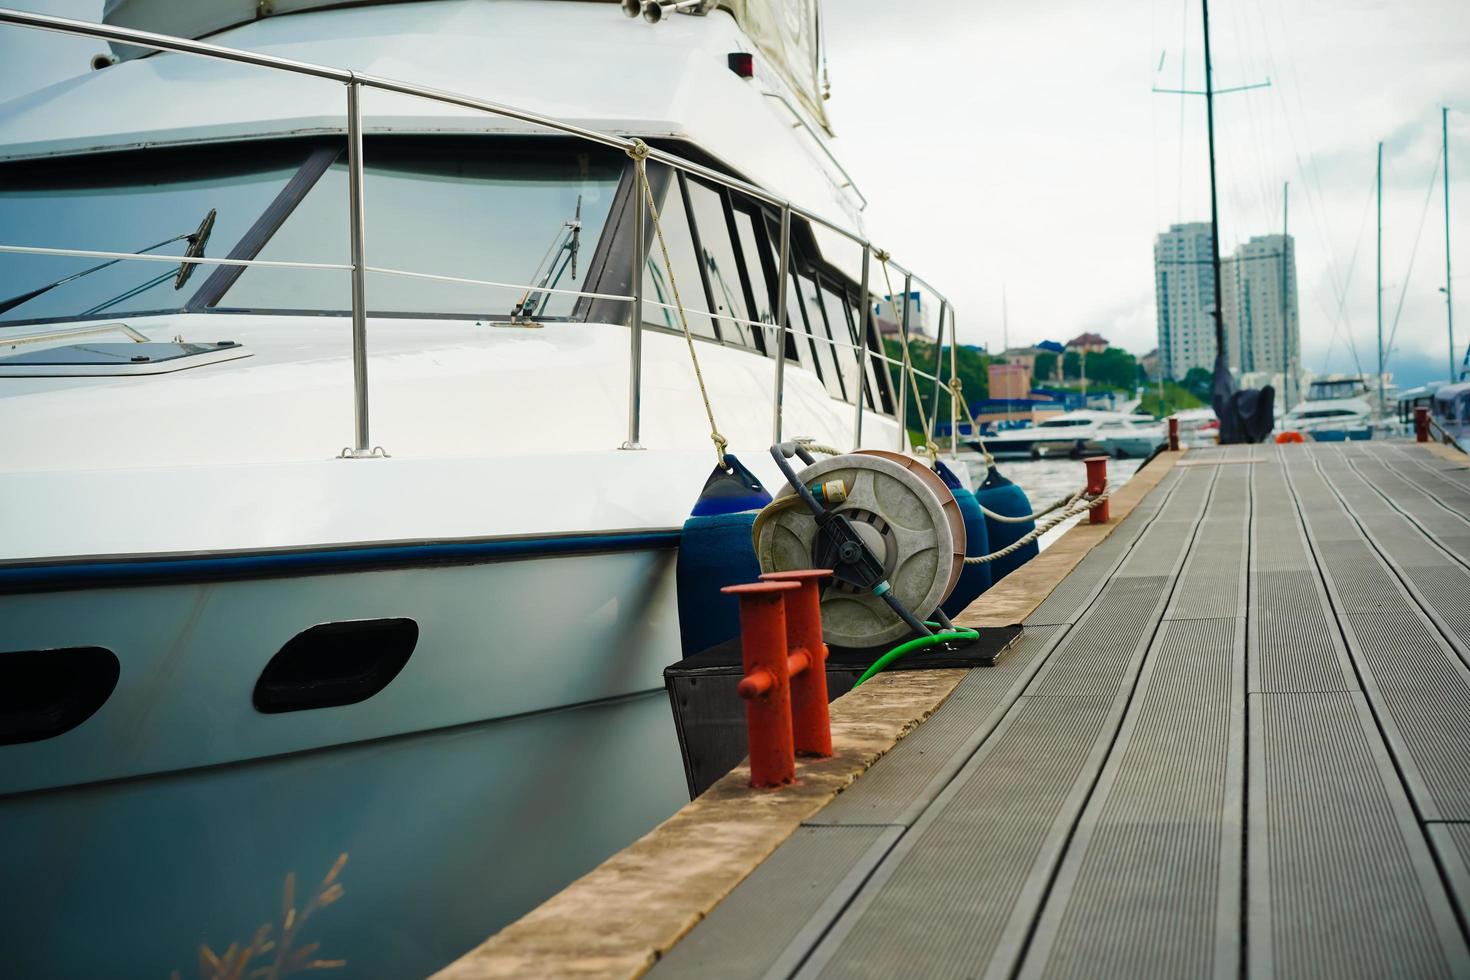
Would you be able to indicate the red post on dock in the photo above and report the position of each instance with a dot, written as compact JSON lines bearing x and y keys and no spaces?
{"x":785,"y":682}
{"x":810,"y":725}
{"x":1097,"y":482}
{"x":1421,"y":424}
{"x":1173,"y":433}
{"x":766,"y":686}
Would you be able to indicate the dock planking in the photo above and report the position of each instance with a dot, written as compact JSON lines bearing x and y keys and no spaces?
{"x":1235,"y":739}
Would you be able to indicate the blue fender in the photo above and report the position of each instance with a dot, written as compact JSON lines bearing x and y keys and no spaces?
{"x":715,"y":551}
{"x":975,"y":579}
{"x":1004,"y":497}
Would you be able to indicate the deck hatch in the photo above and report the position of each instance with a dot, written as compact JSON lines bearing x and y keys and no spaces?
{"x":107,"y":359}
{"x":45,"y":693}
{"x":335,"y":664}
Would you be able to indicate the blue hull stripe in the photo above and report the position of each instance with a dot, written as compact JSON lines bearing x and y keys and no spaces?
{"x":144,"y":570}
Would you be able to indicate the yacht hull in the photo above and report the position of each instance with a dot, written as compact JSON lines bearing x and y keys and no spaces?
{"x":526,"y":739}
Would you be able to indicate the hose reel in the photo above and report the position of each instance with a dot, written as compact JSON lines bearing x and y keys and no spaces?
{"x":905,"y":519}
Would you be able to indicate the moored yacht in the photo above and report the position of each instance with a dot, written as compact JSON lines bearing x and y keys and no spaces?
{"x":1068,"y":434}
{"x":1334,"y":410}
{"x":345,"y":492}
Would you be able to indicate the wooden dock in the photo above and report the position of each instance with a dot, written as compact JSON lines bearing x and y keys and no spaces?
{"x":1234,"y":738}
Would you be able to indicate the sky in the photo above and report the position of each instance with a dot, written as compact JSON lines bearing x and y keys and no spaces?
{"x":1018,"y":148}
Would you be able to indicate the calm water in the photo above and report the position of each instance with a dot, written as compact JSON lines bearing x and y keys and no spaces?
{"x":1044,"y":480}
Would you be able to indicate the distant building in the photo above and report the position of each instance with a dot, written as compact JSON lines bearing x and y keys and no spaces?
{"x":1089,"y":343}
{"x":890,"y":315}
{"x":1184,"y":287}
{"x":1023,"y":356}
{"x":1052,"y":347}
{"x":1009,"y":381}
{"x":1150,"y":363}
{"x":1262,"y":331}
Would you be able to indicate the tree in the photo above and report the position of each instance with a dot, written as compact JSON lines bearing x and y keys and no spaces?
{"x":1046,"y":367}
{"x":1199,"y":382}
{"x":970,"y":365}
{"x":1113,"y":367}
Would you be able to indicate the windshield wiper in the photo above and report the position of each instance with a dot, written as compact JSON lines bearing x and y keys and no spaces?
{"x":195,"y":249}
{"x":558,"y":258}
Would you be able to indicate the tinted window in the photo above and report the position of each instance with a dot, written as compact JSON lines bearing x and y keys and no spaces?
{"x":758,"y":272}
{"x":722,"y":269}
{"x":816,"y":324}
{"x":447,"y":207}
{"x":136,"y":202}
{"x":842,"y":330}
{"x":871,"y":366}
{"x":656,"y":286}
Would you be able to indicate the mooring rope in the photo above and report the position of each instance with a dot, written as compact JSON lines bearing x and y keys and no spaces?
{"x":639,"y":154}
{"x":1083,"y":505}
{"x":929,"y":448}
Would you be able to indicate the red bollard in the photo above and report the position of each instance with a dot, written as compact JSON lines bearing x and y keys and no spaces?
{"x":810,"y":725}
{"x":1097,"y":482}
{"x":766,"y":687}
{"x":1421,"y":424}
{"x":1173,"y":433}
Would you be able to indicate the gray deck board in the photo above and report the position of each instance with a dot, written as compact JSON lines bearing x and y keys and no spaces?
{"x":1236,"y":740}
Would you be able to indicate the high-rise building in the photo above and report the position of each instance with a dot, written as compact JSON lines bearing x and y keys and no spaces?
{"x":1260,"y":303}
{"x":1184,"y":285}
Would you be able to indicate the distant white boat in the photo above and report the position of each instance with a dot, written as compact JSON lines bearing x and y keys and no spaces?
{"x":1334,"y":410}
{"x":1068,"y":434}
{"x":1130,"y":436}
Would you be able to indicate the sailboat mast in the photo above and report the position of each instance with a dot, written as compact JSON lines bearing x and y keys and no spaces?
{"x":1214,"y":203}
{"x":1449,"y":309}
{"x":1380,"y":276}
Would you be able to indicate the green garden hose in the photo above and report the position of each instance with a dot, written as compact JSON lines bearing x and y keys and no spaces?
{"x":904,"y":649}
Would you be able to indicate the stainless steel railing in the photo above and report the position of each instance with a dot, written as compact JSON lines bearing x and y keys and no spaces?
{"x":354,"y":82}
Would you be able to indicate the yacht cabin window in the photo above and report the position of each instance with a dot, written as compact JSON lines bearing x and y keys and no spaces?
{"x":126,"y":202}
{"x":450,"y":207}
{"x":721,"y":268}
{"x":821,"y":336}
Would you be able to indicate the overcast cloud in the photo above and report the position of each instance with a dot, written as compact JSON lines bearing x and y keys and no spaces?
{"x":1018,"y":143}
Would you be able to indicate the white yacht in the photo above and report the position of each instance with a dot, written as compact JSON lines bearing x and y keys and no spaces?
{"x":1334,"y":410}
{"x":343,"y":492}
{"x":1068,"y":434}
{"x":1130,"y":436}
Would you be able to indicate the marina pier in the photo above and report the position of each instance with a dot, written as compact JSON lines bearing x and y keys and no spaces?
{"x":1234,"y":738}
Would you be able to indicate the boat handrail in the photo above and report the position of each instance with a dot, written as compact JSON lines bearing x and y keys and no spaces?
{"x":354,"y":83}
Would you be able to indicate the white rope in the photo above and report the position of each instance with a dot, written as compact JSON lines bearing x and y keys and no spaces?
{"x":639,"y":153}
{"x":817,"y":447}
{"x":1042,"y":527}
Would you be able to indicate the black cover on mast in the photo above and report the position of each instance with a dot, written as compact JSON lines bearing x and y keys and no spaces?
{"x":1245,"y":415}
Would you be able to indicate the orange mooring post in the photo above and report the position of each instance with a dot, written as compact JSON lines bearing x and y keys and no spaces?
{"x":1173,"y":433}
{"x":811,"y":728}
{"x":1421,"y":424}
{"x":766,"y":686}
{"x":1097,"y":482}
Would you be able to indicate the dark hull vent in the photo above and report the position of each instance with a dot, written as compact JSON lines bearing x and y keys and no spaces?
{"x":335,"y":664}
{"x":44,"y":693}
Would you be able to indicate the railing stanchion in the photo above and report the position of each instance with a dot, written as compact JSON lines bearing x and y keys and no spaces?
{"x":938,"y":371}
{"x":862,"y":354}
{"x":903,"y":375}
{"x":635,"y":319}
{"x":783,"y":266}
{"x":363,"y":446}
{"x":954,"y":408}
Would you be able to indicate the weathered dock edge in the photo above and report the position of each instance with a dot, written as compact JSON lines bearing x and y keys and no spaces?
{"x":619,"y":918}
